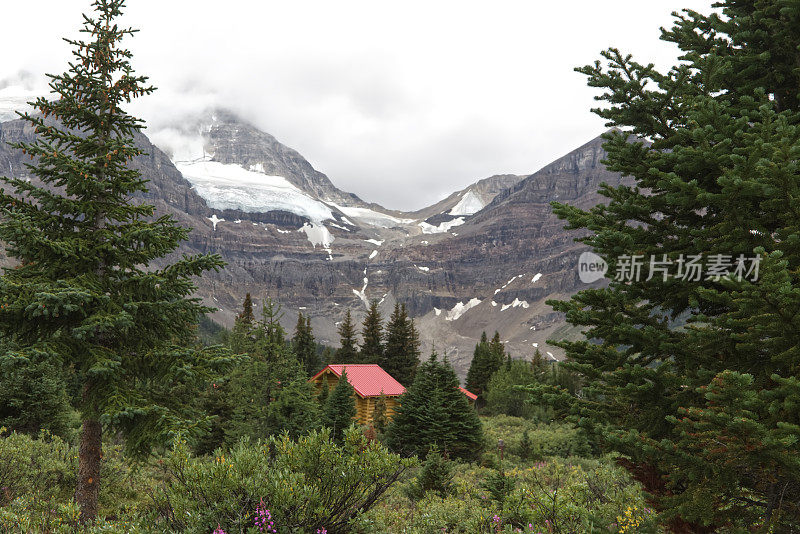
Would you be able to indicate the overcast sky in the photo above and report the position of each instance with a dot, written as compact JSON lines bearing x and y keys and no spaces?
{"x":398,"y":102}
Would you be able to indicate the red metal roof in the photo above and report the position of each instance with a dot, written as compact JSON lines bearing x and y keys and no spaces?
{"x":368,"y":379}
{"x":468,"y":393}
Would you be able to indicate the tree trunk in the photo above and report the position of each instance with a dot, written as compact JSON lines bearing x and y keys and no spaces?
{"x":89,"y":454}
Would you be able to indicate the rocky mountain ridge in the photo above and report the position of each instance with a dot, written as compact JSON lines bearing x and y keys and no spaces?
{"x":484,"y":258}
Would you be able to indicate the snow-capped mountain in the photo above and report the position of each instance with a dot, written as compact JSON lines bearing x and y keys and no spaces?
{"x":484,"y":258}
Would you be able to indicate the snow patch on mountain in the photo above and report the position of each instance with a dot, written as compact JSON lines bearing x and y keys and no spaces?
{"x":371,"y":217}
{"x":469,"y":204}
{"x":428,"y":228}
{"x":375,"y":242}
{"x":225,"y":186}
{"x":318,"y":235}
{"x":373,"y":254}
{"x":460,"y":309}
{"x":536,"y":278}
{"x":215,"y":220}
{"x":363,"y":293}
{"x":515,"y":304}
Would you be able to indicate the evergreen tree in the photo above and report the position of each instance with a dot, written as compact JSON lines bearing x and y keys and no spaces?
{"x":434,"y":413}
{"x":86,"y":290}
{"x":305,"y":348}
{"x":705,"y":413}
{"x":401,"y":352}
{"x":294,"y":410}
{"x":328,"y":356}
{"x":241,"y":336}
{"x":372,"y":335}
{"x":340,"y":408}
{"x":33,"y":396}
{"x":258,"y":381}
{"x":498,"y":351}
{"x":502,"y":391}
{"x":347,"y":352}
{"x":246,"y":316}
{"x":324,"y":392}
{"x":435,"y":475}
{"x":380,"y":417}
{"x":487,"y":358}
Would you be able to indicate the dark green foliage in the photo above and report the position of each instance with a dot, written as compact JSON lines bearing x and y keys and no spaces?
{"x":435,"y":475}
{"x":372,"y":335}
{"x":401,"y":352}
{"x":328,"y":356}
{"x":324,"y":393}
{"x":525,"y":446}
{"x":294,"y":410}
{"x":433,"y":412}
{"x":379,"y":418}
{"x":706,"y":412}
{"x":499,"y":485}
{"x":347,"y":351}
{"x":33,"y":395}
{"x":305,"y":348}
{"x":340,"y":408}
{"x":259,"y":381}
{"x":246,"y":317}
{"x":487,"y":358}
{"x":503,"y":393}
{"x":209,"y":332}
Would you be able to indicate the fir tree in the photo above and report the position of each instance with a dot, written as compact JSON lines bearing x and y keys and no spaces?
{"x":340,"y":408}
{"x":705,"y":414}
{"x":305,"y":348}
{"x":86,"y":289}
{"x":347,"y":352}
{"x":246,"y":316}
{"x":294,"y":410}
{"x":487,"y":358}
{"x":372,"y":335}
{"x":434,"y":413}
{"x":324,"y":392}
{"x":33,"y":396}
{"x":401,"y":352}
{"x":379,"y":417}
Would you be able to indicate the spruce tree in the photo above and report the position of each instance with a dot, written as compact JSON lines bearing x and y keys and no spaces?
{"x":486,"y":359}
{"x":380,"y":417}
{"x":324,"y":392}
{"x":401,"y":352}
{"x":694,"y":379}
{"x":347,"y":352}
{"x":434,"y":413}
{"x":305,"y":348}
{"x":87,"y":290}
{"x":246,"y":316}
{"x":294,"y":409}
{"x":372,"y":335}
{"x":340,"y":408}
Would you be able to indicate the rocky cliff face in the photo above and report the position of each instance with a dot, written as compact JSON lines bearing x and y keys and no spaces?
{"x":484,"y":258}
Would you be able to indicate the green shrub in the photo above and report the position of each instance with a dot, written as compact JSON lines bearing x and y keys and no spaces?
{"x":435,"y":476}
{"x":544,"y":440}
{"x":308,"y":484}
{"x":37,"y":476}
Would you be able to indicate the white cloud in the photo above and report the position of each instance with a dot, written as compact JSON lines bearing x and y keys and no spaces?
{"x":385,"y":98}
